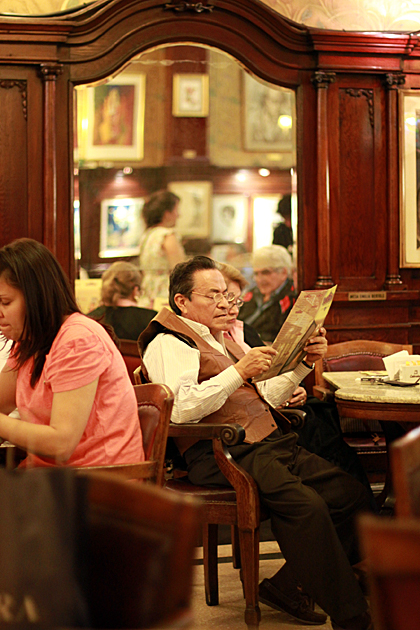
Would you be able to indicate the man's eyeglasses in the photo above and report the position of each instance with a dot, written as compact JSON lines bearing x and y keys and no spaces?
{"x":231,"y":299}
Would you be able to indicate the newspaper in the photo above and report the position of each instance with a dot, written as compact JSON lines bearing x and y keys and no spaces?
{"x":304,"y":320}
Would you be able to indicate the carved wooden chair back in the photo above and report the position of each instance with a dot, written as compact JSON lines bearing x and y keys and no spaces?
{"x":141,"y":546}
{"x":392,"y":551}
{"x":405,"y":465}
{"x":155,"y":403}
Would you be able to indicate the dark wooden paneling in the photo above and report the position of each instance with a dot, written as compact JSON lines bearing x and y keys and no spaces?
{"x":13,"y":164}
{"x":346,"y":221}
{"x":358,"y":171}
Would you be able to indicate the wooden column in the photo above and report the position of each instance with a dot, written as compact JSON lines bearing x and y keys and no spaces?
{"x":49,"y":73}
{"x":321,"y":81}
{"x":393,"y":280}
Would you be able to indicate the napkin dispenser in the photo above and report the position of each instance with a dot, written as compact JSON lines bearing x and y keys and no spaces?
{"x":403,"y":366}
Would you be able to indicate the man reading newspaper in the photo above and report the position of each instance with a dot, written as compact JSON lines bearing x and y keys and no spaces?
{"x":312,"y":504}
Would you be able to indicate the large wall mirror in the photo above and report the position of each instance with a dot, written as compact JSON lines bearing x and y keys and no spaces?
{"x":189,"y":119}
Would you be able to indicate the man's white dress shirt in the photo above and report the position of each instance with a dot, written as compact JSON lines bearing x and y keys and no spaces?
{"x":171,"y":361}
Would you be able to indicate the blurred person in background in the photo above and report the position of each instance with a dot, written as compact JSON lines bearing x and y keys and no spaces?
{"x":119,"y":308}
{"x":160,"y":247}
{"x":268,"y":304}
{"x":283,"y":233}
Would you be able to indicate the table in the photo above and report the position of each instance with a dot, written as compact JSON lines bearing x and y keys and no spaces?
{"x":373,"y":401}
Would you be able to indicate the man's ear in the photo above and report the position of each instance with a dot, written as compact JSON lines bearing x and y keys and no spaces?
{"x":180,"y":300}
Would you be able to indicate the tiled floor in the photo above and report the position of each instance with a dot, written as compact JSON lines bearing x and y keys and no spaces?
{"x":229,"y":614}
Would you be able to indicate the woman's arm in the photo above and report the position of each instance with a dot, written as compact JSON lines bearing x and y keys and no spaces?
{"x":58,"y":440}
{"x":173,"y":250}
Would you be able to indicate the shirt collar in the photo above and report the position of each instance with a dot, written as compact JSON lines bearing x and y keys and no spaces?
{"x":204,"y":331}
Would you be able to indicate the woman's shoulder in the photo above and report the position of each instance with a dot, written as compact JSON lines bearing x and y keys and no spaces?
{"x":79,"y":326}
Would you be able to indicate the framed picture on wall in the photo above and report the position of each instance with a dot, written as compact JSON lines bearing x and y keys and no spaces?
{"x":121,"y":227}
{"x":229,"y":219}
{"x":111,"y":119}
{"x":268,"y":115}
{"x":265,"y":217}
{"x":194,"y":207}
{"x":410,"y":178}
{"x":190,"y":95}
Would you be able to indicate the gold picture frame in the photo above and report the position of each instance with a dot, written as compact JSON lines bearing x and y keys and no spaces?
{"x":190,"y":95}
{"x":410,"y":178}
{"x":111,"y":120}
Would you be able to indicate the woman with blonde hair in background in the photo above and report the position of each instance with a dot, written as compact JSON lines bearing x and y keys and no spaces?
{"x":119,"y":301}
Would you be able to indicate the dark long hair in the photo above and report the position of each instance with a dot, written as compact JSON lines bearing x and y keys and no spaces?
{"x":157,"y":204}
{"x":30,"y":267}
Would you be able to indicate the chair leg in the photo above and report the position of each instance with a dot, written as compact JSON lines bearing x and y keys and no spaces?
{"x":249,"y":541}
{"x":211,"y":581}
{"x":236,"y":551}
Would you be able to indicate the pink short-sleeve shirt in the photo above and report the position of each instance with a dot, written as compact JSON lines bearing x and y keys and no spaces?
{"x":81,"y":352}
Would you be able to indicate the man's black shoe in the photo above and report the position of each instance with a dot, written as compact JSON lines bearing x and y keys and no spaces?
{"x":296,"y":604}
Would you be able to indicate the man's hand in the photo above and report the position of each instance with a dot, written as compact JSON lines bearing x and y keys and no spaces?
{"x":257,"y":360}
{"x":316,"y":347}
{"x":297,"y":399}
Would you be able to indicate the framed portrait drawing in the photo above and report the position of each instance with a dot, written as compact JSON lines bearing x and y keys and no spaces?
{"x":268,"y":117}
{"x":410,"y":178}
{"x":121,"y":227}
{"x":111,"y":119}
{"x":194,"y":208}
{"x":190,"y":95}
{"x":229,"y":219}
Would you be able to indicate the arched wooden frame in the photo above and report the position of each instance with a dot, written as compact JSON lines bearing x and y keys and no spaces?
{"x":341,"y":79}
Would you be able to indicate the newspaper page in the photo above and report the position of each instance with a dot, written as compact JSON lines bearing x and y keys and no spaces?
{"x":304,"y":320}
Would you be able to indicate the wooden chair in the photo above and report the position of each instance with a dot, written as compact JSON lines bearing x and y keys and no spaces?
{"x":392,"y":551}
{"x":355,"y":355}
{"x":141,"y":548}
{"x":405,"y":466}
{"x":238,"y":506}
{"x":130,"y":354}
{"x":352,"y":356}
{"x":155,"y":404}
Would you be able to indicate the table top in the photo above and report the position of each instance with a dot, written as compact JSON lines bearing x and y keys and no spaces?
{"x":349,"y":389}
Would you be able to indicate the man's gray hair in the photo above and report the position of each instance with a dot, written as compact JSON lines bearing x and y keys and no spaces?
{"x":272,"y":256}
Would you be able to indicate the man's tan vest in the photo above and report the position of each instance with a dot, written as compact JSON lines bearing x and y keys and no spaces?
{"x":245,"y":406}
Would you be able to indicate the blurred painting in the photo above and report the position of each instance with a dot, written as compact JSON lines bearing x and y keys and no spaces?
{"x":121,"y":227}
{"x":268,"y":117}
{"x":229,"y":219}
{"x":111,"y":119}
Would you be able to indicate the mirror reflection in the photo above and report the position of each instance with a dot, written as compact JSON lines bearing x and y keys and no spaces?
{"x":189,"y":120}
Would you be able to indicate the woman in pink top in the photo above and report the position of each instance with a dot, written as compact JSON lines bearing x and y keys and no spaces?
{"x":64,"y":374}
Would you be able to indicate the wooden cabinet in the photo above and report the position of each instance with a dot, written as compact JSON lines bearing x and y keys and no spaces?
{"x":347,"y":134}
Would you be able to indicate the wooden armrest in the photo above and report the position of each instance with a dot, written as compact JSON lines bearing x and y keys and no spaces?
{"x":296,"y":417}
{"x":323,"y":393}
{"x":230,"y":434}
{"x":223,"y":435}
